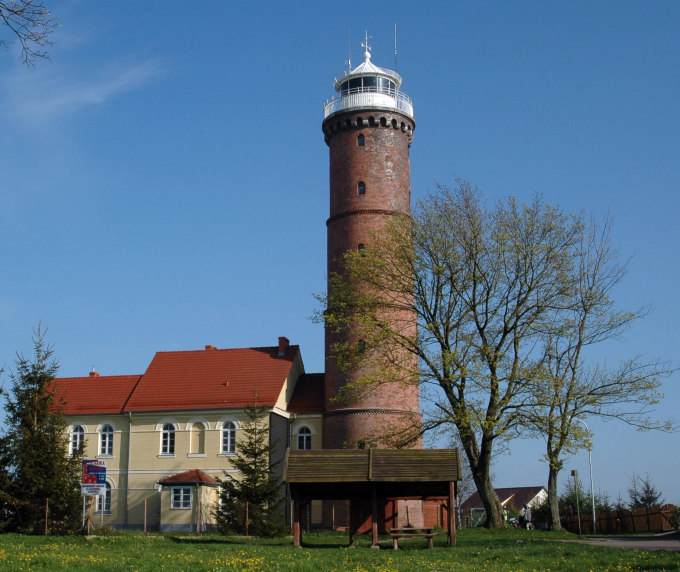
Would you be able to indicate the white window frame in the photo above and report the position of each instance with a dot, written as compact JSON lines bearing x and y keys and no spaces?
{"x":77,"y":438}
{"x":228,"y":429}
{"x":179,"y":497}
{"x":168,"y":432}
{"x":106,"y":440}
{"x":107,"y":500}
{"x":304,"y":433}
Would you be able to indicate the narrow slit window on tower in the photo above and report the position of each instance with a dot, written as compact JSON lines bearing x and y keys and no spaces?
{"x":361,"y":249}
{"x":361,"y":187}
{"x":361,"y":140}
{"x":361,"y":347}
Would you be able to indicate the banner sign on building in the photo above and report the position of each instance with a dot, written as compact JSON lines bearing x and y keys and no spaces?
{"x":94,"y":478}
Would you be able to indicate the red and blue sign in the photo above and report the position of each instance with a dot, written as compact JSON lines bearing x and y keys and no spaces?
{"x":94,"y":478}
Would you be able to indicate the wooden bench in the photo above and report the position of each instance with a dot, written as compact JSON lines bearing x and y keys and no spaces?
{"x":397,"y":533}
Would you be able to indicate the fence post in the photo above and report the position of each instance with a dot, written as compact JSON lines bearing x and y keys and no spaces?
{"x":47,"y":511}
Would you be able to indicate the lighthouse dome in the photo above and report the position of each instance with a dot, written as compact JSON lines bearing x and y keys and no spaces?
{"x":369,"y":86}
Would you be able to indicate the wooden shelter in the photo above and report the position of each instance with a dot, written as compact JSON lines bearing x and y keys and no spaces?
{"x":373,"y":480}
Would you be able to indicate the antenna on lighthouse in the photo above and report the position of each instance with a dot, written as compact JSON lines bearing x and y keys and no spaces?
{"x":349,"y":50}
{"x":396,"y":64}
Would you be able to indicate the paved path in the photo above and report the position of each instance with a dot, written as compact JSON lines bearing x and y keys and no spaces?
{"x":669,"y":541}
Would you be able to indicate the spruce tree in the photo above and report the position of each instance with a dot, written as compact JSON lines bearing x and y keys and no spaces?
{"x":35,"y":465}
{"x":254,"y":494}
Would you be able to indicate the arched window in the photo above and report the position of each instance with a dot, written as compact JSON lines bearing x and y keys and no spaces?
{"x":168,"y":440}
{"x":106,"y":498}
{"x":304,"y":439}
{"x":77,"y":439}
{"x":361,"y":249}
{"x":361,"y":188}
{"x":106,"y":440}
{"x":361,"y":140}
{"x":228,"y":438}
{"x":198,"y":438}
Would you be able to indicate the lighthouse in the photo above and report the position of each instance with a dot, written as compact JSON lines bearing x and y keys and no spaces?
{"x":368,"y":127}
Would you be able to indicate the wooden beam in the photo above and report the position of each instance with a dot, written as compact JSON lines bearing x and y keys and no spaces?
{"x":452,"y":513}
{"x":297,"y":531}
{"x":374,"y":517}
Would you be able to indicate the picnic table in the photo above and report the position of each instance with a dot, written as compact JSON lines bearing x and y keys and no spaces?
{"x":411,"y":532}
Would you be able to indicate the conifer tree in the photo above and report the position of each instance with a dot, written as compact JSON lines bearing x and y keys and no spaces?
{"x":34,"y":463}
{"x":254,"y":494}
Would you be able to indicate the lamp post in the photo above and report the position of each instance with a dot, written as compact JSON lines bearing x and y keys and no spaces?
{"x":590,"y":463}
{"x":574,"y":473}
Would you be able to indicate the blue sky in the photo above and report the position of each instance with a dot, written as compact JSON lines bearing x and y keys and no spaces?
{"x":165,"y":181}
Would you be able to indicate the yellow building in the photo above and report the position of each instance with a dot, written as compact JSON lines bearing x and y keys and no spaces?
{"x":167,"y":434}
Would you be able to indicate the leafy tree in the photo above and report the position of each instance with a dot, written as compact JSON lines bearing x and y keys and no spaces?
{"x":256,"y":491}
{"x":566,"y":388}
{"x":34,"y":449}
{"x":482,"y":282}
{"x":31,"y":23}
{"x":642,"y":493}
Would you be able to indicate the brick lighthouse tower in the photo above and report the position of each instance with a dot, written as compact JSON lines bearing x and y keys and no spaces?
{"x":368,"y":127}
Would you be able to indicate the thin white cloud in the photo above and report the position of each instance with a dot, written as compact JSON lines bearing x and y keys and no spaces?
{"x":41,"y":97}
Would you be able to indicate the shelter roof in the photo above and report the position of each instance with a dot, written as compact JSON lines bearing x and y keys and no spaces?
{"x":371,"y":465}
{"x":191,"y":477}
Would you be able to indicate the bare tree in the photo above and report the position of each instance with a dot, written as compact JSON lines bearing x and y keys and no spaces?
{"x":31,"y":23}
{"x":565,"y":386}
{"x":482,"y":282}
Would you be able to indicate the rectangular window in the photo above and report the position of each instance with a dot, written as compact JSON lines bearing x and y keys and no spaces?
{"x":180,"y":498}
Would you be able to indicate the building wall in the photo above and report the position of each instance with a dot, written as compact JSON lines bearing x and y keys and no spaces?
{"x":137,"y":463}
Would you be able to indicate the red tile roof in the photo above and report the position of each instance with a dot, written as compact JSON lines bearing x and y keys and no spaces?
{"x":98,"y":394}
{"x":308,"y":396}
{"x":201,"y":379}
{"x":192,"y":477}
{"x":212,"y":378}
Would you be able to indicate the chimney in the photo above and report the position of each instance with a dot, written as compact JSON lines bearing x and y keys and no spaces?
{"x":209,"y":347}
{"x":283,"y":345}
{"x":93,"y":373}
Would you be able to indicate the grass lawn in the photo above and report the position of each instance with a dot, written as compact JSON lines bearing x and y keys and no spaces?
{"x":476,"y":550}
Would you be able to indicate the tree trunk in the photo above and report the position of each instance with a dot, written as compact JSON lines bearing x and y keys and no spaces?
{"x":553,"y":500}
{"x":491,"y":502}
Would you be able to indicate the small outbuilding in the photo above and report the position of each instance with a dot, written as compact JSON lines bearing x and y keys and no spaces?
{"x":185,"y":500}
{"x":374,"y":481}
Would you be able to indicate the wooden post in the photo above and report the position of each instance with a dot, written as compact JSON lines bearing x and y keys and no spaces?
{"x":452,"y":514}
{"x":144,"y":517}
{"x":374,"y":518}
{"x":297,"y":533}
{"x":47,"y":512}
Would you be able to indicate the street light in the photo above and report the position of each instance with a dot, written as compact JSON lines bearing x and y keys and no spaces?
{"x":574,"y":473}
{"x":590,"y":462}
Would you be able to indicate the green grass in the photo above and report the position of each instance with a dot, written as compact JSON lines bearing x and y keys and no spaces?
{"x":476,"y":550}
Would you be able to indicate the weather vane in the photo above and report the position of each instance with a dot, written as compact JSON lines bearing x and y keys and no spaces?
{"x":365,"y":44}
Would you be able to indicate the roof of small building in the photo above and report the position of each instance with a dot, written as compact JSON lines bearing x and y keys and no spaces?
{"x":371,"y":465}
{"x":510,"y":497}
{"x":308,"y":396}
{"x":191,"y":477}
{"x":179,"y":380}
